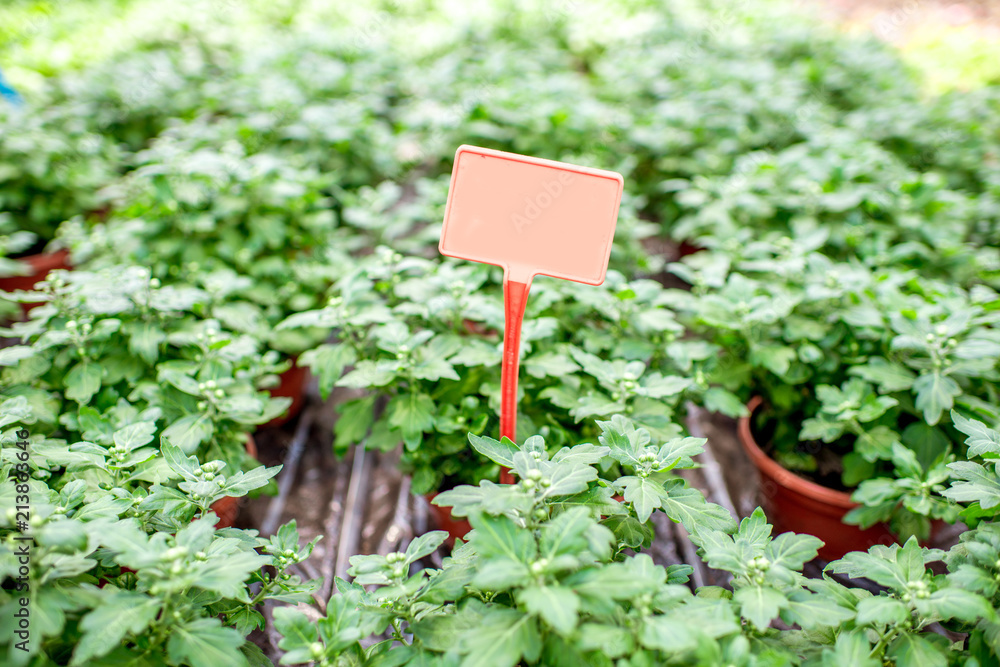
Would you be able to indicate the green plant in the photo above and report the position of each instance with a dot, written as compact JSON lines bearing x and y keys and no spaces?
{"x":865,"y":200}
{"x":117,"y":335}
{"x":543,"y":580}
{"x":253,"y":232}
{"x":858,"y":369}
{"x":13,"y":242}
{"x":423,"y":339}
{"x":125,"y":563}
{"x":52,"y":167}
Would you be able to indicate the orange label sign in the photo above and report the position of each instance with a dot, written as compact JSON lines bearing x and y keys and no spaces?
{"x":531,"y":216}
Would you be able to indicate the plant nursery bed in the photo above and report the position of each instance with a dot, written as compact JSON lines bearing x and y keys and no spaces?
{"x":362,"y":504}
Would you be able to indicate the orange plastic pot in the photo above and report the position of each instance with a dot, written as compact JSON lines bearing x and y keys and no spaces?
{"x":228,"y":508}
{"x":456,"y":527}
{"x":292,"y":385}
{"x":799,"y":505}
{"x":39,"y":267}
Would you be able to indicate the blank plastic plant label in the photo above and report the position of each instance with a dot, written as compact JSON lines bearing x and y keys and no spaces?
{"x":530,"y":217}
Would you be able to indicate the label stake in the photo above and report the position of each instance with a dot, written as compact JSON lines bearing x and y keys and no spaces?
{"x":530,"y":217}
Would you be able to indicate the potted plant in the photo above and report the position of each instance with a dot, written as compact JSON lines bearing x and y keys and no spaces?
{"x":251,"y":231}
{"x":126,"y":560}
{"x":855,"y":370}
{"x":421,"y":339}
{"x":114,"y":336}
{"x":543,"y":579}
{"x":55,"y":165}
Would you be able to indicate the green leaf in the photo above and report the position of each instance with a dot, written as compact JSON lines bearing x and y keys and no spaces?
{"x":354,"y":420}
{"x":658,"y":386}
{"x":135,"y":435}
{"x":792,"y":551}
{"x":565,"y":533}
{"x":10,"y":356}
{"x":480,"y":353}
{"x":502,"y":638}
{"x":327,"y":362}
{"x":775,"y":358}
{"x":205,"y":643}
{"x":689,"y":507}
{"x":120,"y":614}
{"x":568,"y":479}
{"x":976,"y":484}
{"x":189,"y":432}
{"x":499,"y":536}
{"x":501,"y":451}
{"x":145,"y":339}
{"x":243,"y":483}
{"x":927,"y":442}
{"x":550,"y":364}
{"x":411,"y":413}
{"x":881,"y":610}
{"x":611,"y":640}
{"x":679,"y":452}
{"x":948,"y":603}
{"x":624,"y":441}
{"x":760,"y":604}
{"x":83,"y":381}
{"x":180,"y":463}
{"x":424,"y":545}
{"x":668,"y":633}
{"x":877,"y":443}
{"x":878,"y":564}
{"x":982,"y":439}
{"x":873,"y":407}
{"x":810,"y":611}
{"x":368,"y":374}
{"x":888,"y":376}
{"x":629,"y":531}
{"x":935,"y":394}
{"x":851,"y":649}
{"x":434,"y":369}
{"x":297,"y":631}
{"x":719,"y":400}
{"x":228,"y":578}
{"x":916,"y":651}
{"x":557,"y":606}
{"x":644,"y":494}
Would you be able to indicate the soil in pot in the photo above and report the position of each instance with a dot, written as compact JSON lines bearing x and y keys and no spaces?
{"x":38,"y":267}
{"x":795,"y":504}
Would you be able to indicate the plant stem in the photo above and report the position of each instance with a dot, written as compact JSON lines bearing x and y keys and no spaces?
{"x":397,"y":632}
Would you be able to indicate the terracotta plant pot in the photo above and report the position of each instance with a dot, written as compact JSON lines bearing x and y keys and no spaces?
{"x":228,"y":508}
{"x":457,"y":527}
{"x":39,"y":266}
{"x":685,"y":248}
{"x":796,"y":504}
{"x":293,"y":386}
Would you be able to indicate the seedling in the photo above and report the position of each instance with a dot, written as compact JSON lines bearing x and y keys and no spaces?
{"x":530,"y":217}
